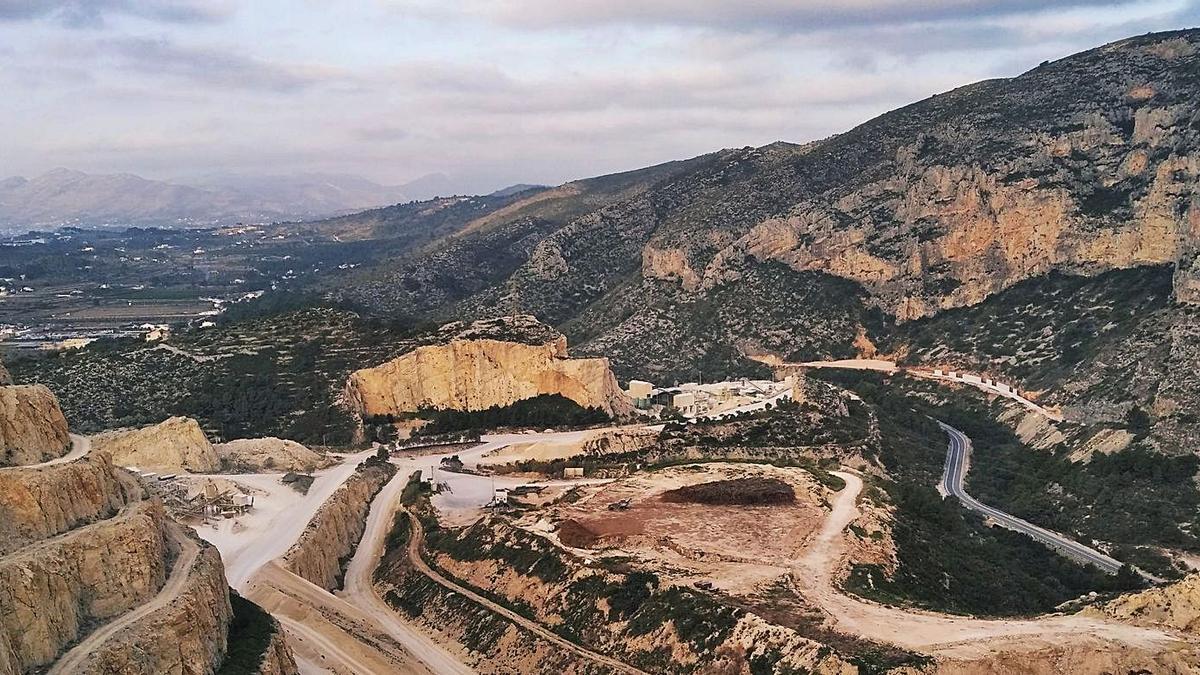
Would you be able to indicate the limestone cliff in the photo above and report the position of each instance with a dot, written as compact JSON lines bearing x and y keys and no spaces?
{"x":36,"y":503}
{"x":175,"y":444}
{"x":187,"y":636}
{"x":467,"y":372}
{"x":53,"y":589}
{"x":32,"y":427}
{"x":327,"y":544}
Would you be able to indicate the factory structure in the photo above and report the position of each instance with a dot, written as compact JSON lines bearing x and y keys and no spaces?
{"x":712,"y":400}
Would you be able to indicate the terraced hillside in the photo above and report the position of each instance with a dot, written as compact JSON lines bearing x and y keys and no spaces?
{"x":95,"y":578}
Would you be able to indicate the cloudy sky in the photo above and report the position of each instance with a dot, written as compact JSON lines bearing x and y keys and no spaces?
{"x":492,"y":92}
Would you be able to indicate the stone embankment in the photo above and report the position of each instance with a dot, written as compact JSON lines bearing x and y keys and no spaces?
{"x":1175,"y":605}
{"x":175,"y":444}
{"x":94,"y":578}
{"x":187,"y":634}
{"x":32,"y":426}
{"x":40,"y":502}
{"x":321,"y":554}
{"x":54,"y":589}
{"x":478,"y":373}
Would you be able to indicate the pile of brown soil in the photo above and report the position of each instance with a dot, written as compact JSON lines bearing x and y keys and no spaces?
{"x":573,"y":533}
{"x":739,"y":491}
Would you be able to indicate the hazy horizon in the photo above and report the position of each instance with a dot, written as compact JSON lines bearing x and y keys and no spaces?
{"x":492,"y":93}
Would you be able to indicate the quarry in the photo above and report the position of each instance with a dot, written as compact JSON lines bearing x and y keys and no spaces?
{"x":717,"y":525}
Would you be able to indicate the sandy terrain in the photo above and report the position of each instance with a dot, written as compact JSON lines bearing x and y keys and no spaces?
{"x":355,"y":633}
{"x":942,"y":635}
{"x":738,"y":549}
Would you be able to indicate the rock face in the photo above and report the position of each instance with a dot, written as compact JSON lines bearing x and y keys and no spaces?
{"x":268,"y":454}
{"x":1083,"y":165}
{"x":278,"y":659}
{"x":175,"y":444}
{"x":468,"y":372}
{"x":331,"y":537}
{"x":32,"y":427}
{"x":1175,"y":606}
{"x":52,"y":589}
{"x":87,"y":562}
{"x":186,"y":636}
{"x":37,"y":503}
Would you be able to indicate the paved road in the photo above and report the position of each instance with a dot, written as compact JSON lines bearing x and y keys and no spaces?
{"x":416,"y":542}
{"x":73,"y":660}
{"x":958,"y":462}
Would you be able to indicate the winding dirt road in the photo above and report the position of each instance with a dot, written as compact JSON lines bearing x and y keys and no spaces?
{"x":188,"y":550}
{"x":360,"y":590}
{"x":818,"y":570}
{"x":416,"y":543}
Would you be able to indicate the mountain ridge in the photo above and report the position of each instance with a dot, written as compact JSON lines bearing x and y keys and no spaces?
{"x":64,"y":196}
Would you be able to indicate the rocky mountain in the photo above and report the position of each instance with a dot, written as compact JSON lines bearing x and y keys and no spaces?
{"x":1080,"y":167}
{"x":66,"y":197}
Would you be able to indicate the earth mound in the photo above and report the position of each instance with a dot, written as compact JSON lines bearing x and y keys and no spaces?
{"x":754,"y":491}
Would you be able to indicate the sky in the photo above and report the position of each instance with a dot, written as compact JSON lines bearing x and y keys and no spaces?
{"x":493,"y":92}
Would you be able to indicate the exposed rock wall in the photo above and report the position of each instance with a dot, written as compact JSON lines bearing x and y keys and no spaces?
{"x":333,"y":534}
{"x":52,"y":589}
{"x":32,"y":426}
{"x":36,"y":503}
{"x":616,"y":441}
{"x":175,"y":444}
{"x":478,"y":374}
{"x":186,"y":637}
{"x":278,"y":660}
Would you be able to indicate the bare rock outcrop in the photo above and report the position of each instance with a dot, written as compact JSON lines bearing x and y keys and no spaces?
{"x":32,"y":426}
{"x":187,"y":636}
{"x":471,"y":372}
{"x":1175,"y":606}
{"x":279,"y":659}
{"x":620,"y":440}
{"x":269,"y":454}
{"x":40,"y":502}
{"x":176,"y":444}
{"x":53,"y":589}
{"x":327,"y":544}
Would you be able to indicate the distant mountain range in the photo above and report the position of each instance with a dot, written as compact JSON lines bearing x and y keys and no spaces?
{"x":66,"y":197}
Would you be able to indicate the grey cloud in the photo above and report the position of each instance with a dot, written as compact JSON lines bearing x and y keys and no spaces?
{"x":210,"y":66}
{"x":781,"y":16}
{"x":87,"y":13}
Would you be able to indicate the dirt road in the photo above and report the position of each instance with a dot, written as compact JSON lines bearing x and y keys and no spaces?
{"x":330,"y":631}
{"x":360,"y":590}
{"x":940,"y":634}
{"x":75,"y":658}
{"x":417,"y":541}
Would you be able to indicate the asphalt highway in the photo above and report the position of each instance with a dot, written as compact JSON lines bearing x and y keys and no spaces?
{"x":957,"y":464}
